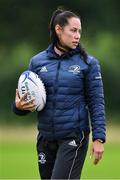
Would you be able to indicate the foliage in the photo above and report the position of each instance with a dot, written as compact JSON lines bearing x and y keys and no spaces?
{"x":24,"y":32}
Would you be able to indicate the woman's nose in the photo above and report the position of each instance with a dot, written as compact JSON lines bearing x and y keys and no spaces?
{"x":77,"y":35}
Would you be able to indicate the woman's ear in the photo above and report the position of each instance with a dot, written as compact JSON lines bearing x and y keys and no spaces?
{"x":58,"y":29}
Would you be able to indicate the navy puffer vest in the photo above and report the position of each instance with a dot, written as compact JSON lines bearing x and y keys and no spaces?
{"x":73,"y":87}
{"x":74,"y":95}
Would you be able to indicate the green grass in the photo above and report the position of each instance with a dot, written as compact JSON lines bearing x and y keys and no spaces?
{"x":18,"y":160}
{"x":108,"y":167}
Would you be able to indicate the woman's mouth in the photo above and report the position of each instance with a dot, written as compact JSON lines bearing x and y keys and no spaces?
{"x":75,"y":43}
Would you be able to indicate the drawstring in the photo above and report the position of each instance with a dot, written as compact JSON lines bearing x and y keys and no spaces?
{"x":83,"y":136}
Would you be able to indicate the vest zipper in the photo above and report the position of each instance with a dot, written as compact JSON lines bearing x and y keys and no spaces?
{"x":54,"y":94}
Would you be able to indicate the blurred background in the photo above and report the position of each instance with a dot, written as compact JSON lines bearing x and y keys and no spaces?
{"x":24,"y":31}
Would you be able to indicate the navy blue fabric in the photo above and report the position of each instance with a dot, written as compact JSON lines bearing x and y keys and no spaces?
{"x":74,"y":94}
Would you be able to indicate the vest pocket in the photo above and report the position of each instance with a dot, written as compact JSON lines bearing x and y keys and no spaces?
{"x":82,"y":112}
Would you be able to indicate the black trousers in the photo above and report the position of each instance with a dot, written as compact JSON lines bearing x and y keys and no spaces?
{"x":62,"y":159}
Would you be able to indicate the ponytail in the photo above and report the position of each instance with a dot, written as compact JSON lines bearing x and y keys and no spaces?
{"x":83,"y":53}
{"x":53,"y":36}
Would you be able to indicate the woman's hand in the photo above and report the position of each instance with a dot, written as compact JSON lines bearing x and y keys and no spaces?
{"x":22,"y":104}
{"x":97,"y":151}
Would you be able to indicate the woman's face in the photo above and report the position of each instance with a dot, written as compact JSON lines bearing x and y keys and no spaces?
{"x":70,"y":34}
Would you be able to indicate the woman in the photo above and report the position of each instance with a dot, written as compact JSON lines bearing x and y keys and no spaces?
{"x":74,"y":87}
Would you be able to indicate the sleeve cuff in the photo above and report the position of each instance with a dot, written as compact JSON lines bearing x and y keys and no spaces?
{"x":18,"y":111}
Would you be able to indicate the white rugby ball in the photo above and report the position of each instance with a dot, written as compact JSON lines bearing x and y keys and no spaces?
{"x":30,"y":82}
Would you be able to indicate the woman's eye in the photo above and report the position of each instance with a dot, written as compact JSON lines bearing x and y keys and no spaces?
{"x":73,"y":30}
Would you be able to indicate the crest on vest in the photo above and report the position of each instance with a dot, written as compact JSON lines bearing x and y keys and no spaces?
{"x":75,"y":69}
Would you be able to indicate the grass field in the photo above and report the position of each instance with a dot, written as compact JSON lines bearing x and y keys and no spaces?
{"x":18,"y":158}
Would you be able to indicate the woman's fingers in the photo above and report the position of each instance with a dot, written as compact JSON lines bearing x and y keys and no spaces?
{"x":24,"y":97}
{"x":98,"y":157}
{"x":29,"y":105}
{"x":22,"y":102}
{"x":97,"y":151}
{"x":17,"y":94}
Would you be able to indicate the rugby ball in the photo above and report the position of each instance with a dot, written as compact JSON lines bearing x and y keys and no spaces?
{"x":30,"y":82}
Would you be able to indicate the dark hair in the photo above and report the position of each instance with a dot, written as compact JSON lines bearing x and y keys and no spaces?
{"x":61,"y":17}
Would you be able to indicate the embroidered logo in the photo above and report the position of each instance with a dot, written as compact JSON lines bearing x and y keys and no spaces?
{"x":42,"y":159}
{"x":75,"y":69}
{"x":72,"y":143}
{"x":44,"y":69}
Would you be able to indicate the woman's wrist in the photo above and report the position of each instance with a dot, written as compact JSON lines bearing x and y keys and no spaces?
{"x":99,"y":140}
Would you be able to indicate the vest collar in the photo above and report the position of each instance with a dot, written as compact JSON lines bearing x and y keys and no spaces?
{"x":53,"y":55}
